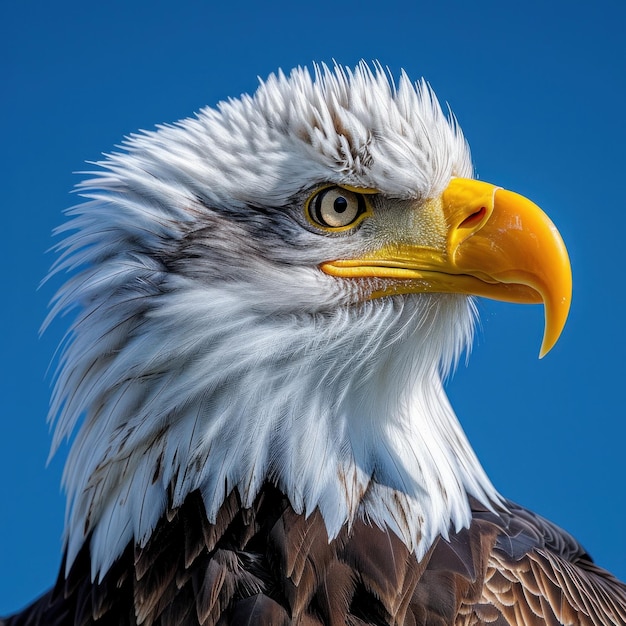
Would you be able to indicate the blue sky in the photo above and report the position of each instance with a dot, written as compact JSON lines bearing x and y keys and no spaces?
{"x":540,"y":91}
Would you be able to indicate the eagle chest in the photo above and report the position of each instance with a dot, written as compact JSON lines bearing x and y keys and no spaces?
{"x":270,"y":565}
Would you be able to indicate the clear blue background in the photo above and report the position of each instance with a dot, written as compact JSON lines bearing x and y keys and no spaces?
{"x":539,"y":88}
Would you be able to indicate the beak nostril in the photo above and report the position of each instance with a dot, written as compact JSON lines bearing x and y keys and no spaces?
{"x":473,"y":219}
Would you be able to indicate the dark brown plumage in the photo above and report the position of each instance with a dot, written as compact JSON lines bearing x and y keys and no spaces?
{"x":269,"y":566}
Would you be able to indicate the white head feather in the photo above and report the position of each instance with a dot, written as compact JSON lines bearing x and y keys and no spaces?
{"x":210,"y":353}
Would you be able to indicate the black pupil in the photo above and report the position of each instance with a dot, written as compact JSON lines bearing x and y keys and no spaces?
{"x":340,"y":204}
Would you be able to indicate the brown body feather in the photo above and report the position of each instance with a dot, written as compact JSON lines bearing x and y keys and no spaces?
{"x":270,"y":566}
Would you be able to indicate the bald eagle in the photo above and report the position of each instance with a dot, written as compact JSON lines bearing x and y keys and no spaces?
{"x":267,"y":298}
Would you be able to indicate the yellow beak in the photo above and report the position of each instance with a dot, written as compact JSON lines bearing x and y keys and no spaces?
{"x":497,"y":244}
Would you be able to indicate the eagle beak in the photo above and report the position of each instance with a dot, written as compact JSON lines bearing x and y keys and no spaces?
{"x":495,"y":244}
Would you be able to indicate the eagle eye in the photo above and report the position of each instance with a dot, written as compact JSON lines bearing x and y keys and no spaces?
{"x":335,"y":207}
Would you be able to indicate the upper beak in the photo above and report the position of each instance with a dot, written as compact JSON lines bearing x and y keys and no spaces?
{"x":498,"y":244}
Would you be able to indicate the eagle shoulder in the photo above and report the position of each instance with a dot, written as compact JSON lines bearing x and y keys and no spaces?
{"x":537,"y":573}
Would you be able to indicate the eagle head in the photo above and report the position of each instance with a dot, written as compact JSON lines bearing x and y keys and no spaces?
{"x":272,"y":291}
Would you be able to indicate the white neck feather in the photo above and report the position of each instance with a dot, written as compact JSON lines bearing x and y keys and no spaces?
{"x":344,"y":411}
